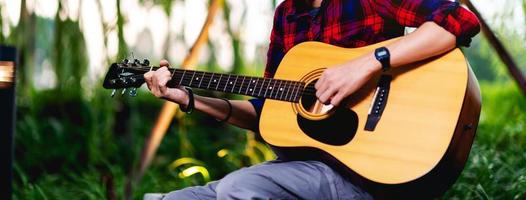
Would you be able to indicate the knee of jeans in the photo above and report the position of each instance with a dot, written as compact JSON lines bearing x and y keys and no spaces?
{"x":178,"y":194}
{"x":235,"y":185}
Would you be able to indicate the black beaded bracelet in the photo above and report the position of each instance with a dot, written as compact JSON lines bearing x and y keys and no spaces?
{"x":190,"y":107}
{"x":229,"y":111}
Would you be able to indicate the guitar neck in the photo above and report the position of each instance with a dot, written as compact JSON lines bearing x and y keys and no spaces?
{"x":284,"y":90}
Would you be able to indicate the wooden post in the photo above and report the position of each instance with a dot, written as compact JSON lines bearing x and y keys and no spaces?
{"x":503,"y":54}
{"x":7,"y":117}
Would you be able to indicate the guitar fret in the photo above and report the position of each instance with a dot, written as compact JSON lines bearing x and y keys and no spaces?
{"x":227,"y":80}
{"x":241,"y":87}
{"x":234,"y":86}
{"x":210,"y":81}
{"x":219,"y":81}
{"x":276,"y":89}
{"x":293,"y":89}
{"x":263,"y":87}
{"x":248,"y":87}
{"x":287,"y":89}
{"x":191,"y":79}
{"x":201,"y":81}
{"x":280,"y":90}
{"x":255,"y":86}
{"x":182,"y":77}
{"x":271,"y":88}
{"x":300,"y":87}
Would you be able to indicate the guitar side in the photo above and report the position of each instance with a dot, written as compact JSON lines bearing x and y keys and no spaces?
{"x":428,"y":124}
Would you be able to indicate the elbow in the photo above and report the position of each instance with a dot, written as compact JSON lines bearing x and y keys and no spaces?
{"x":469,"y":27}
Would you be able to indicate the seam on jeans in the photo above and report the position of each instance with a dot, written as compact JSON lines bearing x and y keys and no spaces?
{"x":329,"y":174}
{"x":196,"y":195}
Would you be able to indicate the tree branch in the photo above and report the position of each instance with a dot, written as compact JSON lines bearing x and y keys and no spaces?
{"x":504,"y":55}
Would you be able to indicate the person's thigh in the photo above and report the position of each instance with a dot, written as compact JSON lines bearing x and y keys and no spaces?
{"x":287,"y":180}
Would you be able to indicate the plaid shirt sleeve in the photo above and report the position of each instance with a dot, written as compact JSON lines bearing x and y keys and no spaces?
{"x":448,"y":14}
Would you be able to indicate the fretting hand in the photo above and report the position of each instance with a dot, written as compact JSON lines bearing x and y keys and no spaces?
{"x":157,"y":80}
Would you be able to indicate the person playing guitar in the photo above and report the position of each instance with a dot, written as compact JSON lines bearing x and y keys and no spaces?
{"x":442,"y":25}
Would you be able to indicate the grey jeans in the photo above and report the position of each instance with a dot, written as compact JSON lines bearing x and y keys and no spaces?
{"x":276,"y":180}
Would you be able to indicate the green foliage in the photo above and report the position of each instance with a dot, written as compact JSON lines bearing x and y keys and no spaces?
{"x":497,"y":165}
{"x":65,"y":146}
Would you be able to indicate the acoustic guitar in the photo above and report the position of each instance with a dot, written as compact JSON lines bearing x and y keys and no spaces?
{"x":407,"y":132}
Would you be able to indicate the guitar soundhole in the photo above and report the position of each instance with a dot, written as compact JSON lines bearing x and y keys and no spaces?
{"x":338,"y":128}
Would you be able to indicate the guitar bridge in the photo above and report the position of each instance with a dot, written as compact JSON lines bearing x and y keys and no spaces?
{"x":379,"y":102}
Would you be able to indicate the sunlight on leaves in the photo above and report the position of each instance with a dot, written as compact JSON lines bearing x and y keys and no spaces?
{"x":194,"y":170}
{"x":222,"y":153}
{"x":184,"y":161}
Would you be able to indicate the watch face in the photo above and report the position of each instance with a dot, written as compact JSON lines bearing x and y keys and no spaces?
{"x":382,"y":53}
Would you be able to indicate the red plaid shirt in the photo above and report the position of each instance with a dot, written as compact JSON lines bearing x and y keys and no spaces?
{"x":356,"y":23}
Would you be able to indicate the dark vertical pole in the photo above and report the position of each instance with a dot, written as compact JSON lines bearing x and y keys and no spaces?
{"x":7,"y":118}
{"x":504,"y":55}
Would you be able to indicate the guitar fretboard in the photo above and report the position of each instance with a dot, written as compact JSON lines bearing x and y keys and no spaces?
{"x":283,"y":90}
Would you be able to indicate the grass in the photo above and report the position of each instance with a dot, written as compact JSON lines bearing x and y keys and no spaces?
{"x":497,"y":165}
{"x":78,"y":147}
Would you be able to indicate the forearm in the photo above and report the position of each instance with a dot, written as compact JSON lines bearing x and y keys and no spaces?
{"x":242,"y":115}
{"x":427,"y":41}
{"x":340,"y":81}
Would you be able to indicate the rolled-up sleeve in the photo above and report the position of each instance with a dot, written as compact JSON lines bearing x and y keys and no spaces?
{"x":448,"y":14}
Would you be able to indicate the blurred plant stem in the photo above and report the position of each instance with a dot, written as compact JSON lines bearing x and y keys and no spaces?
{"x":23,"y":37}
{"x":70,"y":60}
{"x":123,"y":49}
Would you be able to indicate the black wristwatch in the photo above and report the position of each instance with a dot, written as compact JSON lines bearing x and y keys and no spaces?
{"x":382,"y":55}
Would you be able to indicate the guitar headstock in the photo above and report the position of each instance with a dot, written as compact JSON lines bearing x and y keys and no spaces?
{"x":126,"y":75}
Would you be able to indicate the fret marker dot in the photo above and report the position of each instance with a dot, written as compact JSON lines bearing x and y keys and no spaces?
{"x":280,"y":89}
{"x":270,"y":88}
{"x":215,"y":81}
{"x":253,"y":81}
{"x":251,"y":90}
{"x":230,"y":82}
{"x":196,"y":78}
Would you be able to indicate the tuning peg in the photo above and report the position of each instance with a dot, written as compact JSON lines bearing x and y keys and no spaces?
{"x":125,"y":61}
{"x":146,"y":62}
{"x":133,"y":92}
{"x":123,"y":91}
{"x":113,"y":92}
{"x":136,"y":61}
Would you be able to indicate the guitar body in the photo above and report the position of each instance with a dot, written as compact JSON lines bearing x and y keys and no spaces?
{"x":418,"y":147}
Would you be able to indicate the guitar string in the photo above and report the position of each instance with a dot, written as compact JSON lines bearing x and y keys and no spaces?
{"x":307,"y":90}
{"x":294,"y":84}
